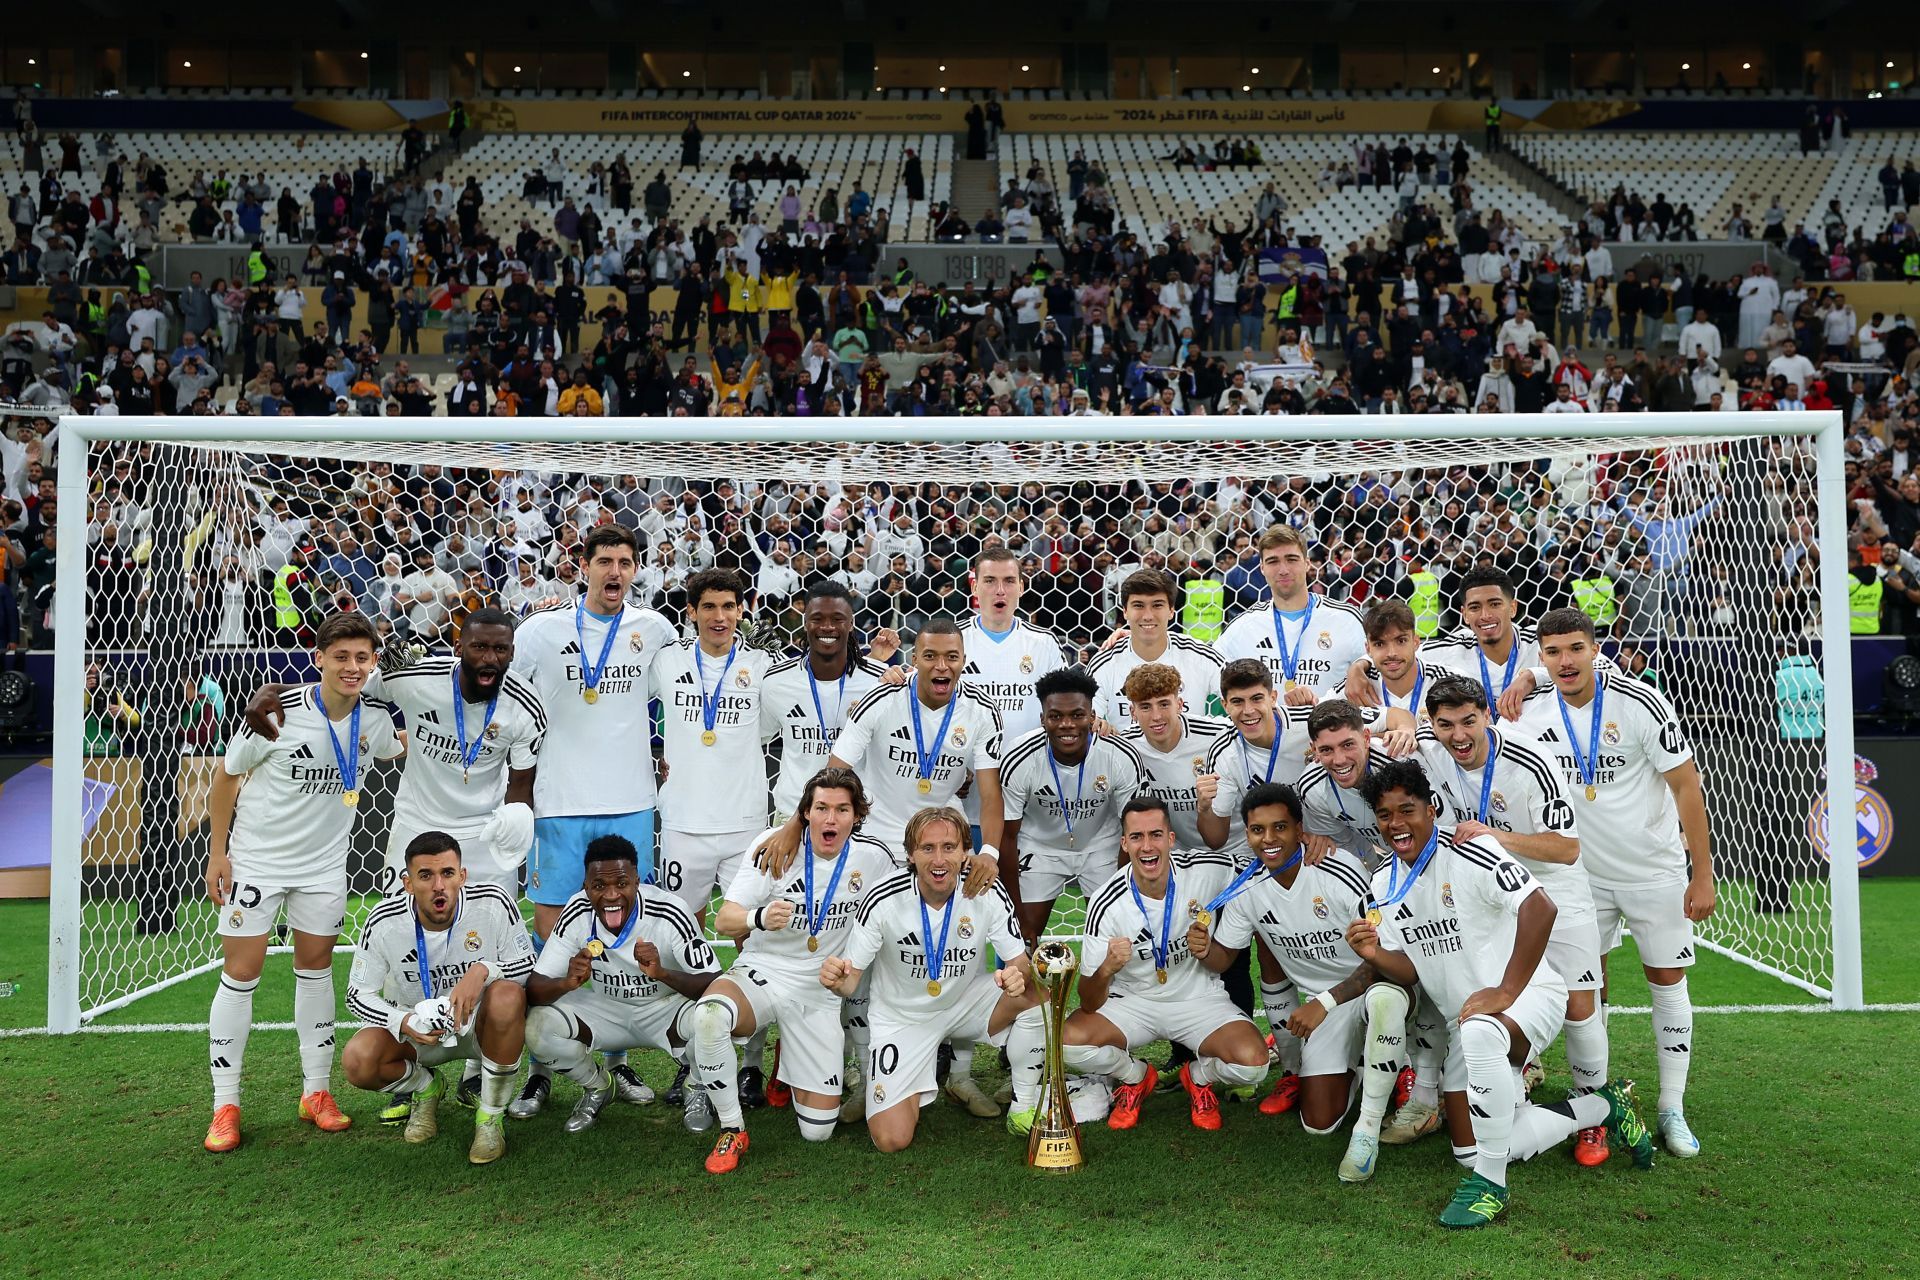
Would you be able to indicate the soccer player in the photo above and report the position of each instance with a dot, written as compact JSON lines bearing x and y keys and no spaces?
{"x":926,"y":941}
{"x":1300,"y":912}
{"x":1147,"y":611}
{"x":1644,"y":837}
{"x":1150,"y":971}
{"x":1304,"y":639}
{"x":1489,"y":646}
{"x":443,"y":939}
{"x":1053,"y":836}
{"x":714,"y":799}
{"x":1005,"y":655}
{"x":1394,"y":674}
{"x":805,"y":701}
{"x":1173,"y":745}
{"x":282,"y":817}
{"x":1498,"y":783}
{"x":789,"y":925}
{"x":1344,"y":753}
{"x":647,"y":962}
{"x":1470,"y":925}
{"x":588,"y":661}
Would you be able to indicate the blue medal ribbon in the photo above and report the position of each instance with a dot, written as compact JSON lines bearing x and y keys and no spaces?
{"x":1273,"y":752}
{"x":817,"y":920}
{"x":626,"y":930}
{"x":936,"y":955}
{"x":420,"y":944}
{"x":348,"y":761}
{"x":1247,"y":875}
{"x":1163,"y":942}
{"x":1486,"y":674}
{"x":1419,"y":683}
{"x":590,"y":671}
{"x":1290,"y":660}
{"x":1339,"y":803}
{"x":827,"y":735}
{"x":929,"y":758}
{"x":1397,"y":890}
{"x":1079,"y":787}
{"x":468,"y":754}
{"x":1589,"y":767}
{"x":710,"y":705}
{"x":1486,"y":779}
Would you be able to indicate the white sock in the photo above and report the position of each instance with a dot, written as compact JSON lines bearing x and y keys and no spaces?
{"x":962,"y":1068}
{"x":1493,"y":1089}
{"x":1278,"y":1000}
{"x":1673,"y":1036}
{"x":550,"y":1035}
{"x":1228,"y":1075}
{"x":1103,"y":1060}
{"x":853,"y":1015}
{"x":1426,"y":1049}
{"x":1537,"y":1129}
{"x":1027,"y":1052}
{"x":1587,"y":1052}
{"x":614,"y":1058}
{"x":496,"y":1085}
{"x":716,"y":1067}
{"x":816,"y":1123}
{"x":313,"y":1014}
{"x":470,"y":1070}
{"x":228,"y":1024}
{"x":412,"y":1080}
{"x":1380,"y":1061}
{"x":754,"y":1052}
{"x":1464,"y":1156}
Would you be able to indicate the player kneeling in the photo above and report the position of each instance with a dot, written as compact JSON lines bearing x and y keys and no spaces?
{"x":648,"y":963}
{"x":1470,"y":925}
{"x":926,"y":941}
{"x":464,"y":951}
{"x":1151,"y":972}
{"x":789,"y":925}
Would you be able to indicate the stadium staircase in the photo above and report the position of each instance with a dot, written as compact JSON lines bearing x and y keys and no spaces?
{"x":976,"y":186}
{"x":1525,"y":175}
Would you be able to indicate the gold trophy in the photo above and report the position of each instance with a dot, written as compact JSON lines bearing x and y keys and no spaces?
{"x":1053,"y":1144}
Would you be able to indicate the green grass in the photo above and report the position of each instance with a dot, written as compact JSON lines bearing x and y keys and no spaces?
{"x":104,"y":1175}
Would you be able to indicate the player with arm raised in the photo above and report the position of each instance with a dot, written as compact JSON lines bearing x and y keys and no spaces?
{"x":1497,"y":782}
{"x":1306,"y":641}
{"x":439,"y":975}
{"x":925,"y":940}
{"x":648,"y":964}
{"x":1644,"y":836}
{"x":1394,"y":673}
{"x":1147,"y":610}
{"x":790,"y":925}
{"x":588,"y":661}
{"x":1063,"y":787}
{"x":805,"y":701}
{"x":282,"y":818}
{"x":1470,"y":925}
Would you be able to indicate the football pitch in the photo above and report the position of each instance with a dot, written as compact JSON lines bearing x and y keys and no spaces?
{"x":1805,"y":1170}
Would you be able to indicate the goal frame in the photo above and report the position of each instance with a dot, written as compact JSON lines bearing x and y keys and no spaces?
{"x":78,"y":434}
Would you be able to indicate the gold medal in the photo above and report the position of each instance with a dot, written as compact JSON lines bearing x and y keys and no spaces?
{"x":813,"y":943}
{"x":708,"y":738}
{"x":1373,"y":916}
{"x":926,"y":786}
{"x":1289,"y":686}
{"x":1591,"y":791}
{"x":1160,"y":976}
{"x":595,"y":948}
{"x":1203,"y":918}
{"x":350,"y":797}
{"x":933,"y":986}
{"x":591,"y":695}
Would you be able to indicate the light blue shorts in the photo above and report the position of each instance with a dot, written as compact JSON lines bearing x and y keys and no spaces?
{"x":557,"y":867}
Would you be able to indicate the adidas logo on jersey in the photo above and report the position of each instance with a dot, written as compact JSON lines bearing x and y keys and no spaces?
{"x":571,"y":646}
{"x":430,"y":716}
{"x":305,"y":752}
{"x":903,"y":733}
{"x":1686,"y":953}
{"x":971,"y":669}
{"x":1404,"y":913}
{"x":1587,"y":977}
{"x":1551,"y":735}
{"x":685,"y":677}
{"x":798,"y":712}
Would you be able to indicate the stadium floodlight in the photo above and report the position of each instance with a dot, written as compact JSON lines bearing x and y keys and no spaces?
{"x":127,"y":917}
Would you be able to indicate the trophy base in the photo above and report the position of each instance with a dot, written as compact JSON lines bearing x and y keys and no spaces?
{"x":1056,"y":1151}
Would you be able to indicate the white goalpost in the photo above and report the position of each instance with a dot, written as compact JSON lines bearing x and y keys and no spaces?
{"x":1723,"y":538}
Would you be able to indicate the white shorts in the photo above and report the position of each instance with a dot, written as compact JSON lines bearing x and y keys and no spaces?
{"x":1045,"y":873}
{"x":813,"y":1044}
{"x":627,"y":1024}
{"x":1658,"y":917}
{"x":1574,"y":952}
{"x":474,"y":856}
{"x":1335,"y":1046}
{"x":1540,"y":1012}
{"x":691,"y":865}
{"x":1189,"y":1020}
{"x":902,"y":1056}
{"x":465,"y":1048}
{"x":253,"y":909}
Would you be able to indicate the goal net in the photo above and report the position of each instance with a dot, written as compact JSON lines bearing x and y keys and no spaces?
{"x":1692,"y":540}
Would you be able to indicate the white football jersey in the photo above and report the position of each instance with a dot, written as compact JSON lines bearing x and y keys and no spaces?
{"x":1241,"y":766}
{"x":1197,"y":875}
{"x":865,"y":862}
{"x":890,"y":941}
{"x":1630,"y":831}
{"x":1306,"y":926}
{"x":1329,"y":809}
{"x":1328,"y":638}
{"x":1005,"y":667}
{"x":598,"y":755}
{"x":806,"y":715}
{"x":1045,"y":794}
{"x":1460,"y":653}
{"x":1173,"y":775}
{"x":438,"y":792}
{"x":662,"y":921}
{"x":1415,"y":701}
{"x":384,"y":984}
{"x":1527,"y":797}
{"x":879,"y":744}
{"x":291,"y":824}
{"x":1457,"y":922}
{"x":1198,"y":664}
{"x":722,"y":787}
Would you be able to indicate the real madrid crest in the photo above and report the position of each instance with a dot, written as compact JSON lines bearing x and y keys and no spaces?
{"x":1326,"y":640}
{"x":1446,"y":893}
{"x":1199,"y":766}
{"x":965,"y":927}
{"x":1100,"y":784}
{"x":1320,"y":910}
{"x":237,"y":919}
{"x":1497,"y":802}
{"x":1026,"y":664}
{"x":473,"y":941}
{"x":959,"y":735}
{"x":853,"y":882}
{"x":366,"y":743}
{"x":1611,"y":734}
{"x":743,"y":679}
{"x":636,"y":642}
{"x":493,"y":730}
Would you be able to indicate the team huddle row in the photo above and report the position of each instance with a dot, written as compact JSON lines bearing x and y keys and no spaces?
{"x":1428,"y":847}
